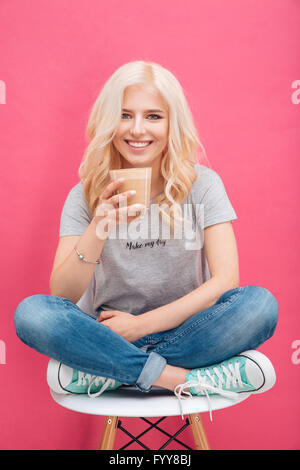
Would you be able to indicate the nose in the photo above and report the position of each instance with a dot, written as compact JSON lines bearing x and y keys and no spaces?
{"x":137,"y":127}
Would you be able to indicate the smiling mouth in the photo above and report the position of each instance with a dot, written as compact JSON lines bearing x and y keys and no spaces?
{"x":138,"y":145}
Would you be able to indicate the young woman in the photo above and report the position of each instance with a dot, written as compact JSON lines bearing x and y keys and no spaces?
{"x":164,"y":311}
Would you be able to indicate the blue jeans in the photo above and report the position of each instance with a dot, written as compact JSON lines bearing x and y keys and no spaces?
{"x":242,"y":318}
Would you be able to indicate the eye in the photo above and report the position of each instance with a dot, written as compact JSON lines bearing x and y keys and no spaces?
{"x":159,"y":117}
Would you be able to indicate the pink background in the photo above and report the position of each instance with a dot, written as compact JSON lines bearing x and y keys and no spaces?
{"x":237,"y":61}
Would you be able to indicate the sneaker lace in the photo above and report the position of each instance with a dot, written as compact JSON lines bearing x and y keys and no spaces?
{"x":106,"y":384}
{"x":95,"y":380}
{"x":204,"y":384}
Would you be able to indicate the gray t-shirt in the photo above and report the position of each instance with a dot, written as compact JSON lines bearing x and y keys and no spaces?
{"x":142,"y":267}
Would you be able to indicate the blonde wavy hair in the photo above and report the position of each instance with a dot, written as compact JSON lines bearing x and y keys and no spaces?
{"x":101,"y":156}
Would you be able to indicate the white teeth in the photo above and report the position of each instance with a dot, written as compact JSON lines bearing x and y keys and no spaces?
{"x":135,"y":144}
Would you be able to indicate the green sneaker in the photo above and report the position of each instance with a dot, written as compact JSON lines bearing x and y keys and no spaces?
{"x":249,"y":372}
{"x":63,"y":379}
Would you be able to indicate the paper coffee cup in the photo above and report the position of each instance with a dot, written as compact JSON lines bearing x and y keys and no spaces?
{"x":138,"y":179}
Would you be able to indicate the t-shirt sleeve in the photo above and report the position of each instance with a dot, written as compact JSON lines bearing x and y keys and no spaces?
{"x":75,"y":215}
{"x":214,"y":201}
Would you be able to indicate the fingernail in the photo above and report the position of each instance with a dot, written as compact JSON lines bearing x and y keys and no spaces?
{"x":120,"y":180}
{"x":132,"y":192}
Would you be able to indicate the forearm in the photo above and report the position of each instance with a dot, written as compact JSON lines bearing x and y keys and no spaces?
{"x":73,"y":276}
{"x":175,"y":313}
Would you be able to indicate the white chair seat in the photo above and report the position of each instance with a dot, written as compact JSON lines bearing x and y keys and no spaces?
{"x":129,"y":402}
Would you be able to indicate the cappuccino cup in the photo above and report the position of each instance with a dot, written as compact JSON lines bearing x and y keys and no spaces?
{"x":138,"y":179}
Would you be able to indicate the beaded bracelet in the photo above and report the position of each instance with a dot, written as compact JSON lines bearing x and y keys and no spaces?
{"x":82,"y":258}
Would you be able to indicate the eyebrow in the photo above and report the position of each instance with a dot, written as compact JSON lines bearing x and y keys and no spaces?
{"x":147,"y":111}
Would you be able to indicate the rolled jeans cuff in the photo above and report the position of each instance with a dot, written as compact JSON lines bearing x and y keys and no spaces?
{"x":154,"y":366}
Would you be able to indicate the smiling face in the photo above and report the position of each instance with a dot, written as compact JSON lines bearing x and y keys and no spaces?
{"x":144,"y":120}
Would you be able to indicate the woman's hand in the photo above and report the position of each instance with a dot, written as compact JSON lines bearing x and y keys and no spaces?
{"x":125,"y":324}
{"x":112,"y":209}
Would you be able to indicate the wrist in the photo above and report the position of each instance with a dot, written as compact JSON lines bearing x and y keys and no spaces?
{"x":143,"y":325}
{"x":100,"y":226}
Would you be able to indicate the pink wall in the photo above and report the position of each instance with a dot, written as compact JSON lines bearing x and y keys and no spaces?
{"x":237,"y":62}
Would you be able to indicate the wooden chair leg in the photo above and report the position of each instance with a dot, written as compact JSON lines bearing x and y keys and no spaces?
{"x":108,"y":433}
{"x":198,"y":432}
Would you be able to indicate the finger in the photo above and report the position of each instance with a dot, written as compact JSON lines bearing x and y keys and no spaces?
{"x":109,"y":219}
{"x":111,"y":188}
{"x":104,"y":315}
{"x":109,"y":314}
{"x":104,"y":209}
{"x":121,"y":199}
{"x":103,"y":318}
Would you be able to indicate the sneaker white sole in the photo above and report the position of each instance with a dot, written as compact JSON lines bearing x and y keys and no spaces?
{"x":266,"y":368}
{"x":54,"y":379}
